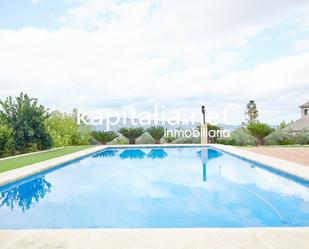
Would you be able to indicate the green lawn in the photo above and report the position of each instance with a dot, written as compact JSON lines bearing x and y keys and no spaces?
{"x":18,"y":162}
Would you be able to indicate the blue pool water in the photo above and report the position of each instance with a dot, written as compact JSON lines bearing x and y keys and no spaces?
{"x":155,"y":188}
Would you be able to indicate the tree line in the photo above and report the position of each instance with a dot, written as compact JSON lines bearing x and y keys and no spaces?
{"x":27,"y":126}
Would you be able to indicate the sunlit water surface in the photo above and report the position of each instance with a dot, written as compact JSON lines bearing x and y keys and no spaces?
{"x":155,"y":188}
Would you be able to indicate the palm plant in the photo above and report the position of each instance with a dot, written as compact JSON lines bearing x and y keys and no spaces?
{"x":156,"y":132}
{"x":104,"y":136}
{"x":259,"y":131}
{"x":169,"y":139}
{"x":131,"y":133}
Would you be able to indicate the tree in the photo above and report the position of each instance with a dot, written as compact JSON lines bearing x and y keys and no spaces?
{"x":259,"y":131}
{"x":5,"y":140}
{"x":104,"y":136}
{"x":65,"y":131}
{"x":251,"y":112}
{"x":26,"y":119}
{"x":283,"y":125}
{"x":156,"y":132}
{"x":131,"y":133}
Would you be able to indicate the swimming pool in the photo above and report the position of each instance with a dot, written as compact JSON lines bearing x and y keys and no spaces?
{"x":160,"y":187}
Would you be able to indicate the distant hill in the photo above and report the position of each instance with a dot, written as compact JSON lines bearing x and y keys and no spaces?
{"x":228,"y":126}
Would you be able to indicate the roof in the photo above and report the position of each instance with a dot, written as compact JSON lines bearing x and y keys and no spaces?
{"x":305,"y":105}
{"x":299,"y":125}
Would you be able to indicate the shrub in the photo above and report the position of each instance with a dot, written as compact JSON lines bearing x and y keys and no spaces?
{"x":104,"y":136}
{"x":302,"y":137}
{"x":156,"y":133}
{"x":5,"y":140}
{"x":187,"y":140}
{"x":145,"y":138}
{"x":259,"y":131}
{"x":131,"y":133}
{"x":286,"y":137}
{"x":64,"y":130}
{"x":239,"y":137}
{"x":92,"y":141}
{"x":280,"y":137}
{"x":120,"y":140}
{"x":169,"y":139}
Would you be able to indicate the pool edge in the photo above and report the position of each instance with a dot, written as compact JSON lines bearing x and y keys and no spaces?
{"x":292,"y":169}
{"x":14,"y":175}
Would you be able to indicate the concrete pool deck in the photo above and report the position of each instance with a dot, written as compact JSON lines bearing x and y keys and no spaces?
{"x":204,"y":238}
{"x":226,"y":238}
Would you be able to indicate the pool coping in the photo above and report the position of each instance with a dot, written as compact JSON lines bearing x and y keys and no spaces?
{"x":32,"y":169}
{"x":175,"y":238}
{"x":292,"y":169}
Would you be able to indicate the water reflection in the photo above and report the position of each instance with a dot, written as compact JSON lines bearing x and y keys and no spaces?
{"x":212,"y":154}
{"x":157,"y":154}
{"x":132,"y":154}
{"x":26,"y":195}
{"x":106,"y":153}
{"x":206,"y":154}
{"x":156,"y":195}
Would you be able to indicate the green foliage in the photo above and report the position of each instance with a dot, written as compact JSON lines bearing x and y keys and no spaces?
{"x":280,"y":138}
{"x":211,"y":127}
{"x":65,"y":131}
{"x":104,"y":137}
{"x":282,"y":125}
{"x":283,"y":137}
{"x":156,"y":132}
{"x":25,"y":117}
{"x":120,"y":140}
{"x":251,"y":112}
{"x":145,"y":138}
{"x":169,"y":139}
{"x":131,"y":133}
{"x":187,"y":140}
{"x":259,"y":131}
{"x":302,"y":137}
{"x":5,"y":140}
{"x":180,"y":137}
{"x":239,"y":137}
{"x":92,"y":141}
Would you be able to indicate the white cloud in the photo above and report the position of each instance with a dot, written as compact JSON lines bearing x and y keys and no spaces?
{"x":36,"y":1}
{"x":302,"y":44}
{"x":144,"y":52}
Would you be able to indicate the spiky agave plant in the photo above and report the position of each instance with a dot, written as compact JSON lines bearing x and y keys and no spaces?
{"x":157,"y":132}
{"x":131,"y":133}
{"x":104,"y":136}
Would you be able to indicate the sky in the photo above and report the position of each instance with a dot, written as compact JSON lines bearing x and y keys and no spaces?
{"x":103,"y":55}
